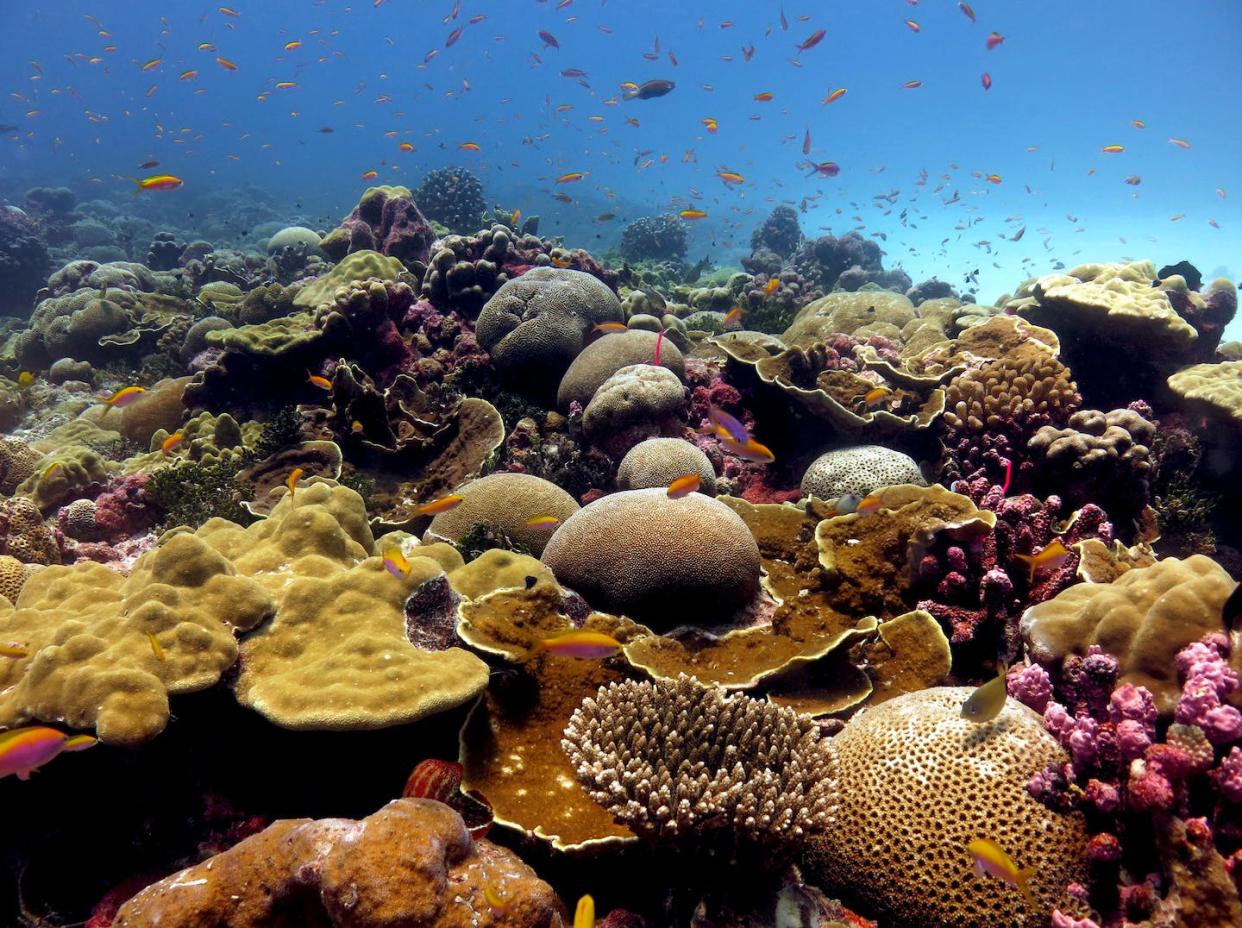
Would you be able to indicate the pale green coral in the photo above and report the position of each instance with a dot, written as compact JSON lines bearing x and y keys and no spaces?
{"x":361,"y":265}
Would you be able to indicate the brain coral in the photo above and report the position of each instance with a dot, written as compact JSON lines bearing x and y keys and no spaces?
{"x":607,"y":355}
{"x":506,"y":501}
{"x":917,"y":783}
{"x":1143,"y":618}
{"x":535,"y":326}
{"x":411,"y":863}
{"x":657,"y":462}
{"x":658,"y":560}
{"x":676,"y":759}
{"x":640,"y":395}
{"x":859,"y":470}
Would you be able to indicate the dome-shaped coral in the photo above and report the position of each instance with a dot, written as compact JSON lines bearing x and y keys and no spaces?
{"x":859,"y":470}
{"x":506,"y":501}
{"x":657,"y":462}
{"x":658,"y":560}
{"x":917,"y":784}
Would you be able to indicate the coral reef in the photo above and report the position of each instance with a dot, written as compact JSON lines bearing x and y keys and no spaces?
{"x":659,"y":238}
{"x":779,"y":233}
{"x":386,"y":220}
{"x":452,"y":197}
{"x":23,"y":261}
{"x":859,"y":471}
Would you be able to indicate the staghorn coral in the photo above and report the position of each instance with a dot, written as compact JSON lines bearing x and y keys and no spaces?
{"x":411,"y":863}
{"x":993,"y":411}
{"x":674,"y":760}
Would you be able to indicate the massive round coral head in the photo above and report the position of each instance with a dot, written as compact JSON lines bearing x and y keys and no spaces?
{"x":918,"y":783}
{"x":659,"y":560}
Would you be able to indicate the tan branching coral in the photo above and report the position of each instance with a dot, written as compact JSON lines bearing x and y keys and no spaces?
{"x":1025,"y":382}
{"x":675,"y":759}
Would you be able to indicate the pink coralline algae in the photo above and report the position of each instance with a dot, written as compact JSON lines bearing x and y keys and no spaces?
{"x":978,"y":582}
{"x":124,"y":509}
{"x":1128,"y":773}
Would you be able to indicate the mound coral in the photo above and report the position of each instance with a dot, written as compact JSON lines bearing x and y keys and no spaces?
{"x":916,"y":783}
{"x":674,"y":760}
{"x":386,"y":220}
{"x":608,"y":354}
{"x":657,"y":462}
{"x":662,"y":561}
{"x":634,"y":403}
{"x":535,"y":326}
{"x":452,"y":197}
{"x":661,"y":238}
{"x":859,"y":470}
{"x":508,"y":501}
{"x":1143,"y":618}
{"x":412,"y":862}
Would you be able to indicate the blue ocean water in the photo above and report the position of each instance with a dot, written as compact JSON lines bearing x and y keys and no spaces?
{"x":1069,"y":79}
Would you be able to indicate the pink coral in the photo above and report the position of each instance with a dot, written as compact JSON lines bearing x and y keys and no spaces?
{"x":1031,"y":686}
{"x":1228,"y":776}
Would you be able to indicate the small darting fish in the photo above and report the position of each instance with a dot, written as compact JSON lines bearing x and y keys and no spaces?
{"x":986,"y":702}
{"x":1052,"y":556}
{"x":684,"y":486}
{"x":25,"y":750}
{"x":649,"y":90}
{"x":992,"y":861}
{"x":158,"y":182}
{"x":443,"y":504}
{"x":584,"y":915}
{"x":294,"y":476}
{"x":395,"y":562}
{"x":580,"y":643}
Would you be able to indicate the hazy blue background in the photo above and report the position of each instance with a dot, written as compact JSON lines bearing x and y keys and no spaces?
{"x":1069,"y":79}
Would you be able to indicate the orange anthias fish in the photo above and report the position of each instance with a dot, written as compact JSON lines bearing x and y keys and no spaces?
{"x":25,"y":750}
{"x":158,"y":182}
{"x":765,"y":97}
{"x":684,"y":486}
{"x":469,"y":146}
{"x":990,"y":859}
{"x":733,"y":315}
{"x":692,"y":214}
{"x":875,"y":397}
{"x":570,"y":177}
{"x":771,"y":286}
{"x":323,"y":383}
{"x":811,"y":41}
{"x":1051,"y":557}
{"x":294,"y":476}
{"x":124,"y":396}
{"x":749,"y":450}
{"x":912,"y":85}
{"x":443,"y":504}
{"x":581,"y":644}
{"x":607,"y":327}
{"x":1113,"y":149}
{"x":172,"y":441}
{"x":833,"y":96}
{"x":370,"y":175}
{"x":993,"y":40}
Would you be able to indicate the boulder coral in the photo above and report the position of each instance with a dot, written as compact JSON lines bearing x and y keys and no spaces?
{"x":411,"y":863}
{"x":536,"y":325}
{"x":608,"y":354}
{"x":657,"y":462}
{"x":661,"y":561}
{"x":385,"y":220}
{"x":916,"y":783}
{"x":859,"y":470}
{"x":1142,"y":618}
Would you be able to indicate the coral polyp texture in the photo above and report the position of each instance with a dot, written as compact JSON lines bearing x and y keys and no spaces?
{"x":675,"y":759}
{"x":443,"y":411}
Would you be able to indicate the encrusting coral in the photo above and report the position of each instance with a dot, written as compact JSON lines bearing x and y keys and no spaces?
{"x":412,"y":862}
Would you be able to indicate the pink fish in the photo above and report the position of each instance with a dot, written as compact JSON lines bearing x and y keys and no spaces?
{"x":25,"y":750}
{"x":582,"y":644}
{"x":726,"y":426}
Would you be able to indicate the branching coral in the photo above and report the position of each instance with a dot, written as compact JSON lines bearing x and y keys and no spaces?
{"x":679,"y":760}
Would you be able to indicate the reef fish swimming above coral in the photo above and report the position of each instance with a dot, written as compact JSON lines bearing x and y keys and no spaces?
{"x":503,"y":464}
